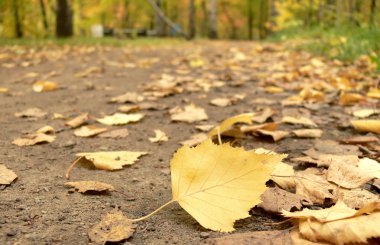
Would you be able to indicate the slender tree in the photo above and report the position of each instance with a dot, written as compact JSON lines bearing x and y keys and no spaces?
{"x":192,"y":19}
{"x":44,"y":16}
{"x":159,"y":22}
{"x":372,"y":19}
{"x":213,"y":20}
{"x":64,"y":19}
{"x":250,"y":18}
{"x":17,"y":19}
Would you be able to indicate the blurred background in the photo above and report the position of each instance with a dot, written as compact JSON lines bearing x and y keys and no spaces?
{"x":338,"y":28}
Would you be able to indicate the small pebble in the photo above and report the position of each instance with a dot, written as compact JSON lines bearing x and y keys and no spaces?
{"x":204,"y":235}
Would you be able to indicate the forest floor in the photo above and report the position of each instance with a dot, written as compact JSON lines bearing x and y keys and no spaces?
{"x":37,"y":208}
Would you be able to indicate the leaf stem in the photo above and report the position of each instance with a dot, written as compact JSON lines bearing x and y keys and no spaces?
{"x":68,"y":172}
{"x":154,"y":212}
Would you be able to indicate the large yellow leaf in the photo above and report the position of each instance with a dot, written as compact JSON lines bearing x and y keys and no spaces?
{"x":367,"y":125}
{"x":226,"y":124}
{"x":219,"y":184}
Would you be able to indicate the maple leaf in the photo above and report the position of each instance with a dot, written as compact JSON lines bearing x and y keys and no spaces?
{"x":219,"y":184}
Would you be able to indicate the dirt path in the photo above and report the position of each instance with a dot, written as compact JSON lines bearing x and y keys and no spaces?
{"x":38,"y":209}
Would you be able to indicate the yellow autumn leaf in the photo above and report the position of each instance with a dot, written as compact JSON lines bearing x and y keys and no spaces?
{"x":374,"y":93}
{"x":159,"y":136}
{"x":3,"y":90}
{"x":219,"y":184}
{"x":226,"y":124}
{"x":111,"y":160}
{"x":273,"y":89}
{"x":120,"y":118}
{"x":367,"y":125}
{"x":44,"y":86}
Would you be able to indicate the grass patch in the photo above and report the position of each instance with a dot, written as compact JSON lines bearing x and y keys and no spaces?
{"x":345,"y":43}
{"x":88,"y":41}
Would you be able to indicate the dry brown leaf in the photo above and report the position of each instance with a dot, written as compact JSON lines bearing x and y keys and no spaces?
{"x":347,"y":176}
{"x":116,"y":133}
{"x":204,"y":128}
{"x":256,"y":237}
{"x":33,"y":139}
{"x":190,"y":114}
{"x":313,"y":186}
{"x":31,"y":112}
{"x":89,"y":131}
{"x":160,"y":136}
{"x":372,"y":126}
{"x":78,"y":121}
{"x":44,"y":86}
{"x":195,"y":139}
{"x":92,"y":186}
{"x":276,"y":199}
{"x":276,"y":135}
{"x":111,"y":160}
{"x":263,"y":116}
{"x":357,"y":198}
{"x":128,"y":97}
{"x":46,"y":130}
{"x":229,"y":122}
{"x":367,"y":112}
{"x":114,"y":227}
{"x":89,"y":71}
{"x":129,"y":108}
{"x":338,"y":224}
{"x":7,"y":176}
{"x":324,"y":160}
{"x":308,"y":133}
{"x":360,"y":139}
{"x":299,"y":120}
{"x":222,"y":187}
{"x":350,"y":98}
{"x":121,"y":119}
{"x":298,"y":240}
{"x":57,"y":116}
{"x":254,"y":128}
{"x":369,"y":166}
{"x":283,"y":175}
{"x":221,"y":102}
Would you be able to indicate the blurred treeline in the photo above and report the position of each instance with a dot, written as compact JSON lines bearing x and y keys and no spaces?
{"x":228,"y":19}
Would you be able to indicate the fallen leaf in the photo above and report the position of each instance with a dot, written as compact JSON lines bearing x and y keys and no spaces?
{"x":324,"y":160}
{"x":357,"y":198}
{"x":338,"y":224}
{"x":111,"y":160}
{"x":229,"y":122}
{"x":44,"y":86}
{"x":92,"y":186}
{"x":297,"y":239}
{"x":128,"y":97}
{"x":129,"y":108}
{"x":274,"y":89}
{"x":313,"y":186}
{"x":299,"y":120}
{"x":264,"y":115}
{"x":116,"y":133}
{"x":350,"y":98}
{"x":218,"y":184}
{"x":347,"y":176}
{"x":221,"y":102}
{"x":121,"y":119}
{"x":114,"y":227}
{"x":254,"y":128}
{"x":89,"y":71}
{"x":190,"y":114}
{"x":360,"y":139}
{"x":33,"y":139}
{"x":159,"y":136}
{"x":256,"y":237}
{"x":78,"y":121}
{"x":58,"y":116}
{"x":46,"y":130}
{"x":205,"y":128}
{"x":7,"y":176}
{"x":372,"y":126}
{"x":276,"y":135}
{"x":275,"y":199}
{"x":195,"y":139}
{"x":89,"y":131}
{"x":367,"y":112}
{"x":308,"y":133}
{"x":374,"y":93}
{"x":369,"y":166}
{"x":31,"y":112}
{"x":3,"y":90}
{"x":283,"y":175}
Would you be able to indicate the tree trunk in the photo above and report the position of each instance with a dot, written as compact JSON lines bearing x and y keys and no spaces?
{"x":44,"y":17}
{"x":351,"y":10}
{"x":338,"y":13}
{"x":159,"y":22}
{"x":16,"y":15}
{"x":310,"y":14}
{"x":204,"y":23}
{"x":250,"y":19}
{"x":213,"y":20}
{"x":373,"y":14}
{"x":64,"y":19}
{"x":192,"y":19}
